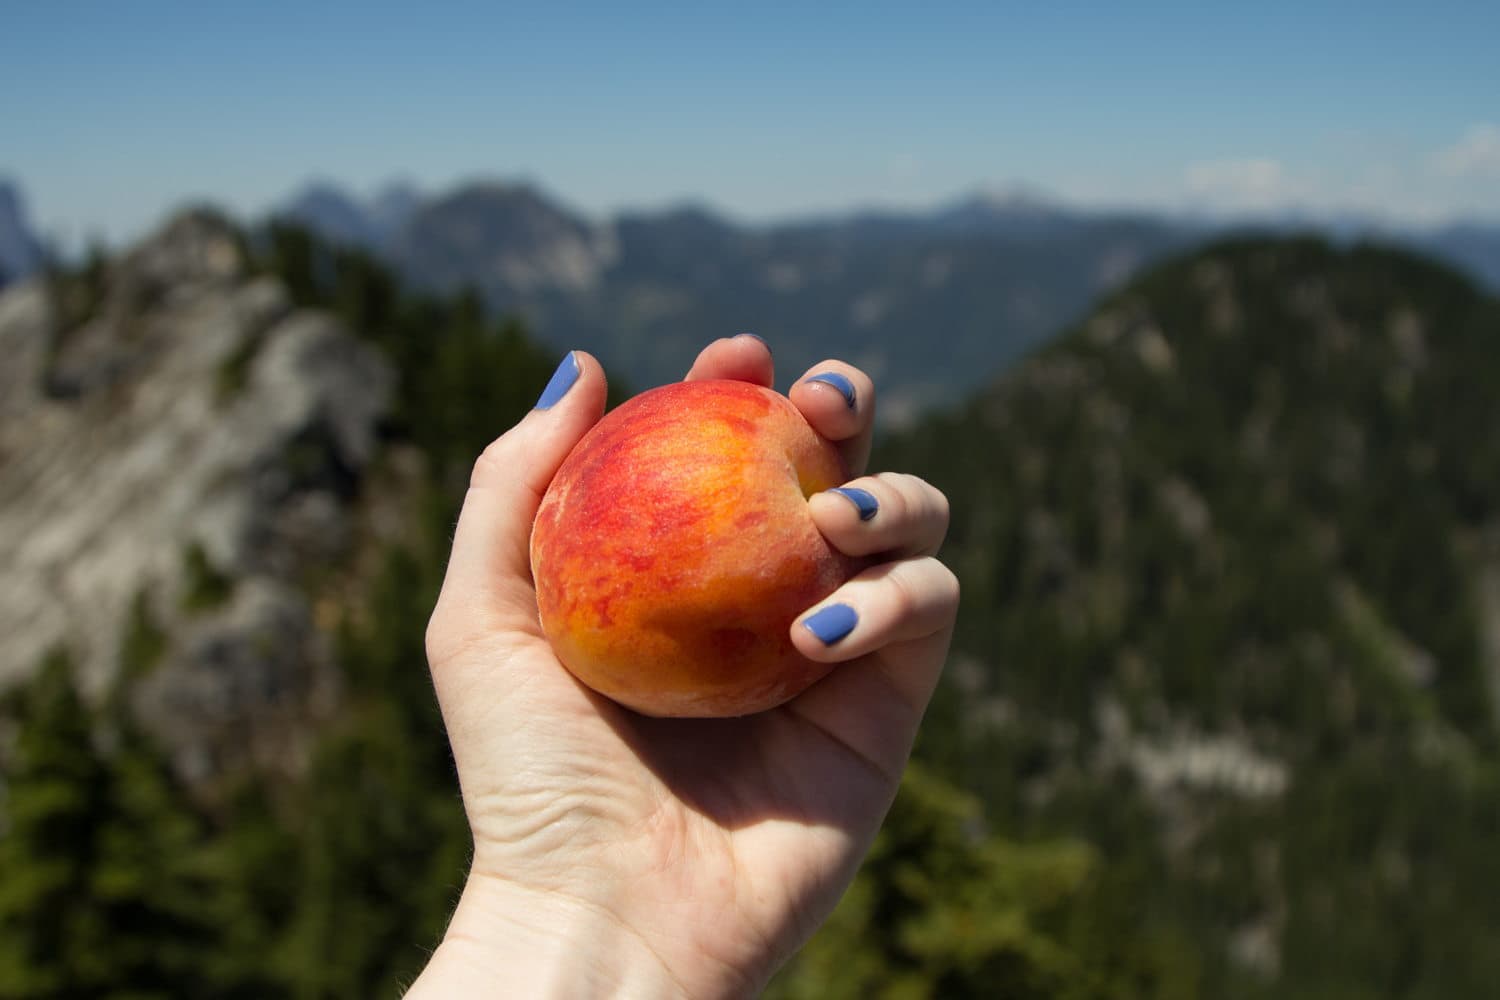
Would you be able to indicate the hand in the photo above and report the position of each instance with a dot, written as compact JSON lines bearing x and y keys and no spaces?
{"x":623,"y":855}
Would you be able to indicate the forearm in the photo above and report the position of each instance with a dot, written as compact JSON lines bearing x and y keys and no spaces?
{"x":507,"y":942}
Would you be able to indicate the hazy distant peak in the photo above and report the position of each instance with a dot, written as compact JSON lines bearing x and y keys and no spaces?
{"x":1015,"y":199}
{"x":1016,"y":210}
{"x":499,"y":190}
{"x":686,"y":213}
{"x":512,"y":212}
{"x":332,"y":213}
{"x":503,"y":234}
{"x":20,"y":250}
{"x":393,"y":205}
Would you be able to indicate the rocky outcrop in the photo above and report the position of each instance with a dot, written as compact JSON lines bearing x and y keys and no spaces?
{"x":174,"y":462}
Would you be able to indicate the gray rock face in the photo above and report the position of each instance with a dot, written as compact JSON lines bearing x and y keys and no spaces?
{"x":177,"y":462}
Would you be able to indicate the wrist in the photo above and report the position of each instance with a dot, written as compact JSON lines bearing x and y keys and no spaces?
{"x":508,"y":940}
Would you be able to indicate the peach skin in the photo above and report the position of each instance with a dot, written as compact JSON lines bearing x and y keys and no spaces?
{"x":674,"y":549}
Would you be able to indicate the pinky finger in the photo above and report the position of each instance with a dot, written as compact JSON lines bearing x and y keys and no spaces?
{"x":890,"y":603}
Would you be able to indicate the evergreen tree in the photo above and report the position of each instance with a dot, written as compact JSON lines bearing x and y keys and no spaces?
{"x":944,"y":908}
{"x":109,"y":887}
{"x":56,"y":795}
{"x":384,"y":843}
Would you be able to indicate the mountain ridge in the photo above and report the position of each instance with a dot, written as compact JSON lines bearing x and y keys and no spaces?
{"x":929,"y":300}
{"x":1228,"y":549}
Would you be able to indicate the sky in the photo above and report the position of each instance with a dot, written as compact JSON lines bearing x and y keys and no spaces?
{"x":112,"y":115}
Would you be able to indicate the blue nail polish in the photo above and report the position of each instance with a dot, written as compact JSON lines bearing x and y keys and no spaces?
{"x":753,"y":336}
{"x":562,"y":380}
{"x":862,"y":499}
{"x":839,"y":382}
{"x":831,"y":623}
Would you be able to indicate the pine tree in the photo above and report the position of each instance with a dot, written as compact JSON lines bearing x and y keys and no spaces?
{"x":384,"y":842}
{"x":944,"y":908}
{"x":112,"y":883}
{"x":56,"y":794}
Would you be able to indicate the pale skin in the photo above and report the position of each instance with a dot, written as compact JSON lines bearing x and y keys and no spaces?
{"x":618,"y":855}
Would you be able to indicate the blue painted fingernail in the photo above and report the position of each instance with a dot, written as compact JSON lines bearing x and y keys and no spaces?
{"x":831,"y":623}
{"x":839,"y":382}
{"x":753,"y":336}
{"x":562,"y":380}
{"x":862,"y":499}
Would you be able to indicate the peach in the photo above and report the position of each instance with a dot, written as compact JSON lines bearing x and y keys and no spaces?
{"x":674,"y":549}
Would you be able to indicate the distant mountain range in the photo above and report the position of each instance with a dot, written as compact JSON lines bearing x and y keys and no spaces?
{"x":929,"y":303}
{"x":20,"y":250}
{"x":932,"y":303}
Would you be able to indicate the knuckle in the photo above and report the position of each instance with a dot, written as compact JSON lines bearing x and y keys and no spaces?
{"x":941,"y":508}
{"x":952,"y":597}
{"x":952,"y":588}
{"x":895,"y":496}
{"x":485,"y":467}
{"x":903,"y":594}
{"x":434,"y":640}
{"x":492,"y":465}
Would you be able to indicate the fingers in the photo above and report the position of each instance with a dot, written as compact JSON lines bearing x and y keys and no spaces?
{"x":892,"y":513}
{"x":490,"y":564}
{"x":744,"y":358}
{"x":838,"y":400}
{"x":895,"y":618}
{"x":890,"y":603}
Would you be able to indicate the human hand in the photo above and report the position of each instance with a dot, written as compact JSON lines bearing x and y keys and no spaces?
{"x":624,"y":855}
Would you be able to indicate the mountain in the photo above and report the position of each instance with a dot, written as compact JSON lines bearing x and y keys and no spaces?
{"x":229,"y":469}
{"x":931,"y":302}
{"x":508,"y":241}
{"x":391,"y":206}
{"x":1474,"y":247}
{"x":926,"y":304}
{"x":330,"y":211}
{"x":1014,"y":213}
{"x":342,"y":218}
{"x":180,"y":446}
{"x":20,"y":250}
{"x":1230,"y":551}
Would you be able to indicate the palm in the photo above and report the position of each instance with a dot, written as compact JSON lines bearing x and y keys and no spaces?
{"x":747,"y":827}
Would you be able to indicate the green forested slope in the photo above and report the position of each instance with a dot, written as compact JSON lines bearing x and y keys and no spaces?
{"x":1226,"y":550}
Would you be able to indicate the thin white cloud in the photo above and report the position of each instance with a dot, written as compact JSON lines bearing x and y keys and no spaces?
{"x":1475,"y":154}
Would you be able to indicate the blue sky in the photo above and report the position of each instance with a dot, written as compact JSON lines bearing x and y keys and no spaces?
{"x":112,"y":114}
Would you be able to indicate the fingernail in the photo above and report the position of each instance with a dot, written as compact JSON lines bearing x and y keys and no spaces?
{"x":831,"y":623}
{"x":862,"y":499}
{"x":752,"y":336}
{"x":562,"y":380}
{"x":839,"y":382}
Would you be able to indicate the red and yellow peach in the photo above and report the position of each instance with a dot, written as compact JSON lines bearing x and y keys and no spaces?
{"x":674,"y":549}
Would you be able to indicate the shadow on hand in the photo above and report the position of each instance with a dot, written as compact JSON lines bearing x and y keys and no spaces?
{"x":739,"y":772}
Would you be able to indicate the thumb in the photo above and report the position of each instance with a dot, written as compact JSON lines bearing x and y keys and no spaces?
{"x":488,"y":581}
